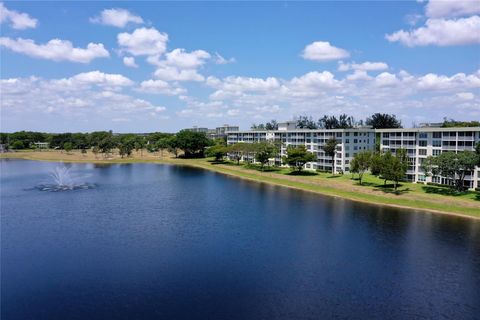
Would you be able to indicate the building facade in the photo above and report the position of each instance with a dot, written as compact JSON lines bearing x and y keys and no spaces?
{"x":431,"y":141}
{"x":350,"y":142}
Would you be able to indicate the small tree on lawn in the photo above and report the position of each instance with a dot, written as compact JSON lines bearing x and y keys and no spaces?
{"x":265,"y":151}
{"x":376,"y":163}
{"x":218,"y":151}
{"x":361,"y":163}
{"x":395,"y":167}
{"x":67,"y":146}
{"x":297,"y":157}
{"x":454,"y":166}
{"x":236,"y":151}
{"x":330,"y":148}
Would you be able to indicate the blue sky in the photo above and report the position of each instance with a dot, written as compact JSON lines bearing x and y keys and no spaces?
{"x":141,"y":67}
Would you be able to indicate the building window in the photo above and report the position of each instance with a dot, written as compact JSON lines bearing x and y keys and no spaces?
{"x":436,"y":152}
{"x":437,"y":135}
{"x":422,"y":152}
{"x":422,"y":143}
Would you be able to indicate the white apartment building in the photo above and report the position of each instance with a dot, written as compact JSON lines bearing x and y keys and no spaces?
{"x":350,"y":142}
{"x":431,"y":141}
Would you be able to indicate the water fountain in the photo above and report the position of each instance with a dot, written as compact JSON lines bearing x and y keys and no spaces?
{"x":63,"y":180}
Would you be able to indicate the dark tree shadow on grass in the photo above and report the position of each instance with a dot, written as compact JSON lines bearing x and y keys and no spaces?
{"x":302,"y":173}
{"x":390,"y":188}
{"x":445,"y":191}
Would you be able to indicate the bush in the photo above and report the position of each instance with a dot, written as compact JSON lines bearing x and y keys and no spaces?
{"x":17,"y":145}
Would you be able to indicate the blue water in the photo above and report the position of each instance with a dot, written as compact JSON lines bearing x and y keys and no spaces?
{"x":165,"y":242}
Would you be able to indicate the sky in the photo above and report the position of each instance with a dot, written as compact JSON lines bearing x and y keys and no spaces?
{"x":163,"y":66}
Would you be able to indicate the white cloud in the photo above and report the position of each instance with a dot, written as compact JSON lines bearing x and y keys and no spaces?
{"x":186,"y":60}
{"x":160,"y":87}
{"x":116,"y":17}
{"x":323,"y":51}
{"x":143,"y":41}
{"x":180,"y":65}
{"x":440,"y":32}
{"x":365,"y":66}
{"x":385,"y":79}
{"x":169,"y":73}
{"x":358,"y":94}
{"x":56,"y":50}
{"x":17,"y":20}
{"x":358,"y":75}
{"x":452,"y":8}
{"x":314,"y":80}
{"x":466,"y":95}
{"x":239,"y":85}
{"x":87,"y":99}
{"x":221,"y":60}
{"x":130,"y":62}
{"x":102,"y":79}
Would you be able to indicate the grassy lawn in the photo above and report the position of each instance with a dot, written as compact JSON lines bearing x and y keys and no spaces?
{"x":372,"y":190}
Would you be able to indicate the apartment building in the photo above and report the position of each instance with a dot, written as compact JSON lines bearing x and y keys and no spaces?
{"x":218,"y":132}
{"x":350,"y":142}
{"x":431,"y":141}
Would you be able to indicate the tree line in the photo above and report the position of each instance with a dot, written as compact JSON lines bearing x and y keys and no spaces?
{"x":192,"y":144}
{"x":343,"y":121}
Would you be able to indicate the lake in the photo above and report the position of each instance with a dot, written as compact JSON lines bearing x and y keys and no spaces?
{"x":152,"y":241}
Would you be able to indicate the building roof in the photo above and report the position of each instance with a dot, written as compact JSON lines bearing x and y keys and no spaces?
{"x":429,"y":129}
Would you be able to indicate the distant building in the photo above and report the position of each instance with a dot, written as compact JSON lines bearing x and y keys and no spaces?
{"x":41,"y":145}
{"x":218,"y":132}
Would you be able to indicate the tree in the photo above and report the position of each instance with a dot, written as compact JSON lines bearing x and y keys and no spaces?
{"x":67,"y":146}
{"x":258,"y":127}
{"x":172,"y":144}
{"x":16,"y":145}
{"x":140,"y":144}
{"x":330,"y":148}
{"x":126,"y":145}
{"x":306,"y":122}
{"x":218,"y":151}
{"x":272,"y":125}
{"x":162,"y":144}
{"x":297,"y":157}
{"x":395,"y":167}
{"x":376,"y":164}
{"x":361,"y":163}
{"x":477,"y":151}
{"x":107,"y":143}
{"x":264,"y":151}
{"x":331,"y":122}
{"x":237,"y":150}
{"x":383,"y":121}
{"x":453,"y":123}
{"x":454,"y":166}
{"x":95,"y":150}
{"x":192,"y":143}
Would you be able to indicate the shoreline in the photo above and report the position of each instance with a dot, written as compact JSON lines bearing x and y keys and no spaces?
{"x":249,"y":175}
